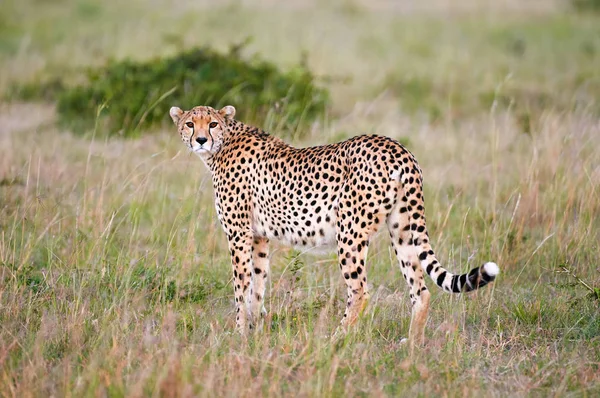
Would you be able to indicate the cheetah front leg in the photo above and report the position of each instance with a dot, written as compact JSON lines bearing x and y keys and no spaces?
{"x":240,"y":249}
{"x":260,"y":259}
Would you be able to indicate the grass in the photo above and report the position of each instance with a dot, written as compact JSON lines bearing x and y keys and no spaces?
{"x":114,"y":272}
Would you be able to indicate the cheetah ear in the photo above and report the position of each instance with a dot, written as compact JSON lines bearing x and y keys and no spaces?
{"x":176,"y":114}
{"x":228,"y":112}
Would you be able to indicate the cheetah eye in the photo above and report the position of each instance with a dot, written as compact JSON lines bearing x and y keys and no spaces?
{"x":190,"y":125}
{"x":212,"y":125}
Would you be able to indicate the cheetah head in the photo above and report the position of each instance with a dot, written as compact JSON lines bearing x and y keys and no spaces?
{"x":202,"y":127}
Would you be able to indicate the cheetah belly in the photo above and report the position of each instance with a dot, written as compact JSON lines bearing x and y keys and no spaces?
{"x":316,"y":244}
{"x":309,"y":233}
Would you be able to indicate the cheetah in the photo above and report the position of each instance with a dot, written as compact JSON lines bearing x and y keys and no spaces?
{"x":330,"y":195}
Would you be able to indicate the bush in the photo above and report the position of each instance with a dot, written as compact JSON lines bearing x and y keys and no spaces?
{"x":137,"y":95}
{"x":586,"y":5}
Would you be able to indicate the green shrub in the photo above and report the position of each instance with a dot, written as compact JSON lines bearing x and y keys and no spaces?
{"x":137,"y":95}
{"x":586,"y":5}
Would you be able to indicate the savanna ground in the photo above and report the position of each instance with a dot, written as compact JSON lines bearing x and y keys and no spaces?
{"x":114,"y":272}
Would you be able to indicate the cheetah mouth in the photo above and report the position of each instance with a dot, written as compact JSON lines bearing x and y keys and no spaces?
{"x":199,"y":149}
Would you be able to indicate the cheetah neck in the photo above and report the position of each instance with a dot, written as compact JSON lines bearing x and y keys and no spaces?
{"x":238,"y":133}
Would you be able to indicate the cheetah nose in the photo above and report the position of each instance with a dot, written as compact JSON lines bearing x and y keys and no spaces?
{"x":201,"y":140}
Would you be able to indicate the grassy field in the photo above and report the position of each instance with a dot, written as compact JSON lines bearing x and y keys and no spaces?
{"x":114,"y":272}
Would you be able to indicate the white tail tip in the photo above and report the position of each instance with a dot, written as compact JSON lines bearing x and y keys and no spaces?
{"x":491,"y":269}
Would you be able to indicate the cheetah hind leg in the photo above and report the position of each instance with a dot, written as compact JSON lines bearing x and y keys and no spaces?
{"x":352,"y":258}
{"x":412,"y":272}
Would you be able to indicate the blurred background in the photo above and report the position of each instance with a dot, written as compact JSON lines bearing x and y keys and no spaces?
{"x":114,"y":272}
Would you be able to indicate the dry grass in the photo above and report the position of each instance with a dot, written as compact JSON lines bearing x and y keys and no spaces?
{"x":114,"y":271}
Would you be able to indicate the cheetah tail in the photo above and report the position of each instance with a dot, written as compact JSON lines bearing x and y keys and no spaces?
{"x":476,"y":278}
{"x":412,"y":203}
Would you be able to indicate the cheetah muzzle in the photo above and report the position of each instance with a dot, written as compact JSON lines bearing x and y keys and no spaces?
{"x":338,"y":194}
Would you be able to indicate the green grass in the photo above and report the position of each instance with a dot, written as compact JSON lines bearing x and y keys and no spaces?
{"x":114,"y":272}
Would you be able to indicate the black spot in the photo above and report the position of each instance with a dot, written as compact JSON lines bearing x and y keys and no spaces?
{"x":440,"y":278}
{"x":455,"y":288}
{"x":486,"y":278}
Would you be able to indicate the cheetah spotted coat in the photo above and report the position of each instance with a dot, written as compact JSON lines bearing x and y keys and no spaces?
{"x":339,"y":194}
